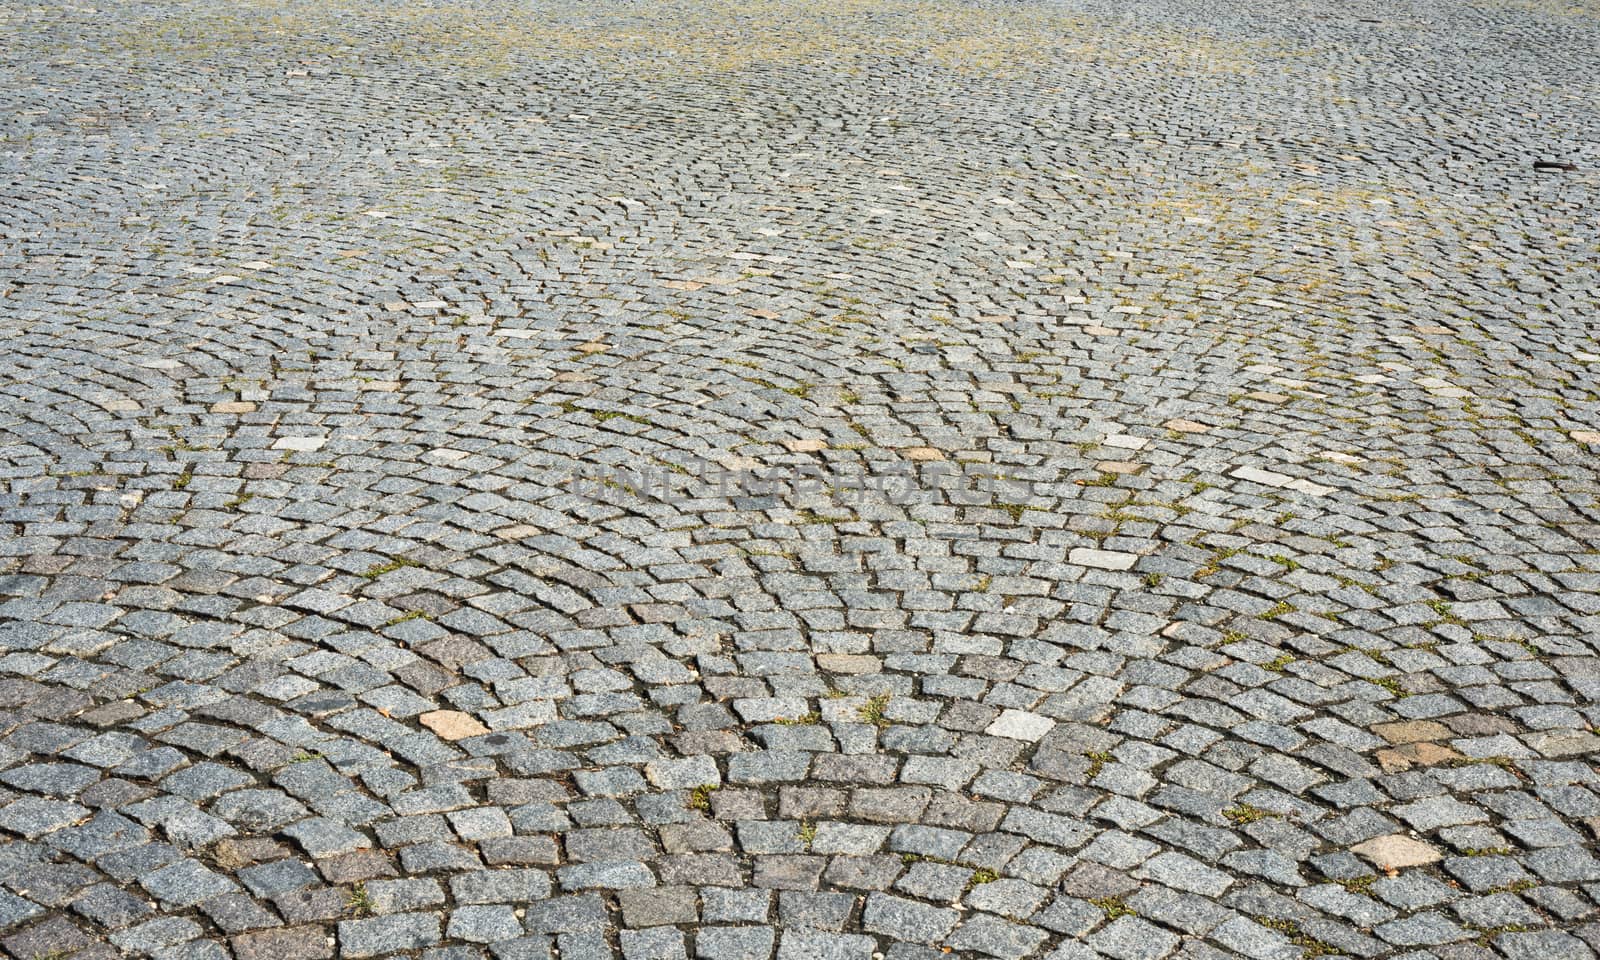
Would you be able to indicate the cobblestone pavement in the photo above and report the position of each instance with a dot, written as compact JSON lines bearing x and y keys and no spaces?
{"x":815,"y":481}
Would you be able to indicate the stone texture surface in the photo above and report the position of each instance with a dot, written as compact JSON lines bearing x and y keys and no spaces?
{"x":799,"y":480}
{"x":1396,"y":851}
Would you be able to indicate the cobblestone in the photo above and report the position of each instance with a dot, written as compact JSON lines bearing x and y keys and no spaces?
{"x":804,"y":481}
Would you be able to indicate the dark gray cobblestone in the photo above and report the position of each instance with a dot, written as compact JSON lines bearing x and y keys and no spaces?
{"x":368,"y":585}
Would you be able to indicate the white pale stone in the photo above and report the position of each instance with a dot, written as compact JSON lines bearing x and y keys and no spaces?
{"x":1265,"y":477}
{"x":1103,"y":559}
{"x":1020,"y":725}
{"x":1306,"y":486}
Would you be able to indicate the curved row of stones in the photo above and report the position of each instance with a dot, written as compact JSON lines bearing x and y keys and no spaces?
{"x":816,"y":482}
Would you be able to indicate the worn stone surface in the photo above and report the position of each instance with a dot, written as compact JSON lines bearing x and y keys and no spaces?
{"x":1397,"y":851}
{"x":799,"y":480}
